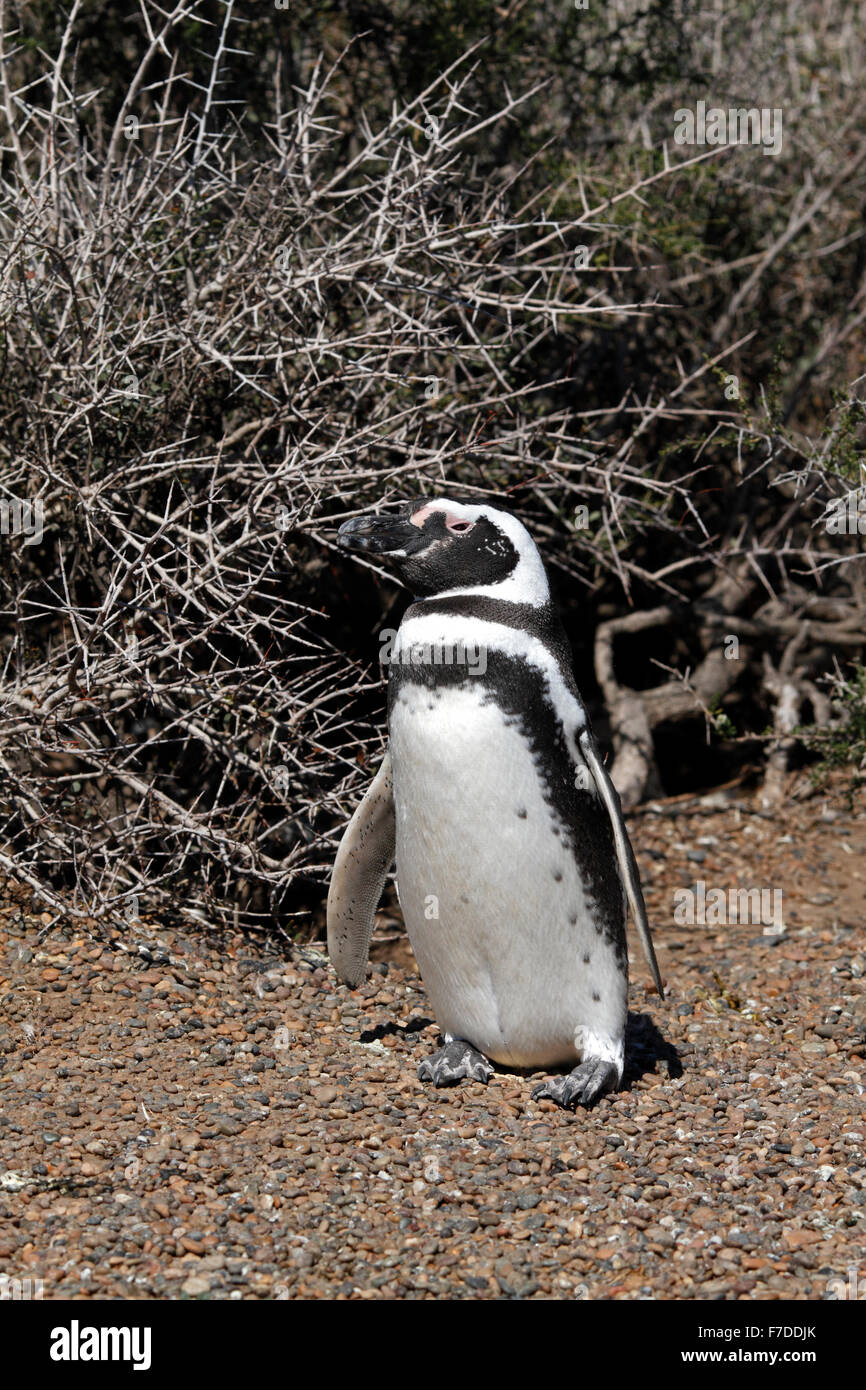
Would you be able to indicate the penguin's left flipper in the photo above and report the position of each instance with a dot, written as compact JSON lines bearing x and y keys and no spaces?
{"x":365,"y":855}
{"x":625,"y":854}
{"x":583,"y":1086}
{"x":457,"y":1061}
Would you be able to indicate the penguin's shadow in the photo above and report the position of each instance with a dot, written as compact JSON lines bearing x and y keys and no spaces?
{"x":382,"y":1030}
{"x":645,"y":1047}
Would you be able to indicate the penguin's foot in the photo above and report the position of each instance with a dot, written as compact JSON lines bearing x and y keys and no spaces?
{"x":583,"y":1086}
{"x":456,"y":1061}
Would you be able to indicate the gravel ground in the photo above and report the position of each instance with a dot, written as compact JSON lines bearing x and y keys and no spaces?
{"x":213,"y":1119}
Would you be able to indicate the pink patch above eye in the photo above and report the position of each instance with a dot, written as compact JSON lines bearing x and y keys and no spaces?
{"x":455,"y":523}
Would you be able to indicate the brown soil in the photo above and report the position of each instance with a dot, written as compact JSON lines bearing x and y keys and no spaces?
{"x":214,"y":1119}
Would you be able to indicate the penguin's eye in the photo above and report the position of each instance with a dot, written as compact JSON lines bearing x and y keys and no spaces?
{"x":460,"y":526}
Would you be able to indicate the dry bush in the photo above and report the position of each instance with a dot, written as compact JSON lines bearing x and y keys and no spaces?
{"x":218,"y":341}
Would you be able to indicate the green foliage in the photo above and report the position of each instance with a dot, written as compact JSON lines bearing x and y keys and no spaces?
{"x":847,"y":437}
{"x":721,"y":724}
{"x":842,"y":744}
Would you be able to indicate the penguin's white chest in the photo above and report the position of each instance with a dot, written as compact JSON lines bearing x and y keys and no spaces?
{"x":504,"y":933}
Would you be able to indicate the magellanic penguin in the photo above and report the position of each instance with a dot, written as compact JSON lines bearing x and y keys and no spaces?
{"x":513,"y":860}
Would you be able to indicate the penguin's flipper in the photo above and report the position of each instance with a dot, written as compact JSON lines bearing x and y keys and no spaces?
{"x":624,"y":852}
{"x":365,"y":855}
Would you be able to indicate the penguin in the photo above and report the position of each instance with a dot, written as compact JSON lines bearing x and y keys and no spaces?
{"x":513,"y":860}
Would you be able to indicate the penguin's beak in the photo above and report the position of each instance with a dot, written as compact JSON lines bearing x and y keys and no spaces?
{"x":379,"y":535}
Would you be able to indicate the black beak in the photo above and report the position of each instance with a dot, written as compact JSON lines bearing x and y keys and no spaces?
{"x":379,"y":535}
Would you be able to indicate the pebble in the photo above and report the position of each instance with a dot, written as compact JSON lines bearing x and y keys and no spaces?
{"x":222,"y":1140}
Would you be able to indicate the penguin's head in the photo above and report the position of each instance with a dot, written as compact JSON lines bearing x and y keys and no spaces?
{"x":440,"y":548}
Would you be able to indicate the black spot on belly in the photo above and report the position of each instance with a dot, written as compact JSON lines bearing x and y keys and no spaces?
{"x":572,"y":921}
{"x":586,"y":960}
{"x":596,"y":997}
{"x":557,"y":876}
{"x":521,"y":814}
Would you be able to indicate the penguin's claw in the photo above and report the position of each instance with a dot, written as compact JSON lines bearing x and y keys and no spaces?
{"x":456,"y":1061}
{"x":583,"y":1086}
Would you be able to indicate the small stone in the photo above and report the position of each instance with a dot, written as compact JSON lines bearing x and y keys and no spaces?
{"x":797,"y":1238}
{"x":196,"y":1285}
{"x":323,"y":1095}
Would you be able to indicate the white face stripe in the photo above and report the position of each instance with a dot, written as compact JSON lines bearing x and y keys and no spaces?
{"x":527,"y":582}
{"x":477,"y":633}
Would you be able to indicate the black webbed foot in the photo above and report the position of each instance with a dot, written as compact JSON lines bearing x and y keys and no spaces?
{"x":456,"y":1061}
{"x":583,"y":1086}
